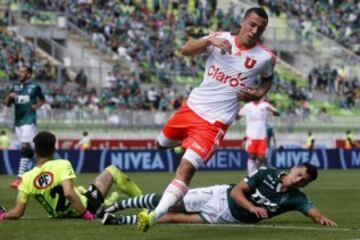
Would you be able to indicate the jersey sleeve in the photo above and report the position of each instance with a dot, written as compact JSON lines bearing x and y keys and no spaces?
{"x":66,"y":171}
{"x":22,"y":197}
{"x":254,"y":180}
{"x":270,"y":107}
{"x":302,"y":203}
{"x":39,"y":93}
{"x":268,"y":70}
{"x":269,"y":66}
{"x":25,"y":185}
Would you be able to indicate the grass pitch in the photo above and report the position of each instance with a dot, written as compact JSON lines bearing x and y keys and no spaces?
{"x":336,"y":193}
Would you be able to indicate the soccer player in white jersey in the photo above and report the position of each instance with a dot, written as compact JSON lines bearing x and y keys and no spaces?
{"x":233,"y":67}
{"x":256,"y":115}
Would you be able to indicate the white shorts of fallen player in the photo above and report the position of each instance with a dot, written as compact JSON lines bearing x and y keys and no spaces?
{"x":26,"y":133}
{"x":211,"y":203}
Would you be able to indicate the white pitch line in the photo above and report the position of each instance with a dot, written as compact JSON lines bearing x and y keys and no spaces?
{"x":281,"y":227}
{"x":276,"y":227}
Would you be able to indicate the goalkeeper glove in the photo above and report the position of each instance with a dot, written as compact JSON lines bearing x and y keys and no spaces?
{"x":87,"y":215}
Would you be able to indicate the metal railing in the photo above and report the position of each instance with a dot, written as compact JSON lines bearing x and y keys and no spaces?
{"x":85,"y":118}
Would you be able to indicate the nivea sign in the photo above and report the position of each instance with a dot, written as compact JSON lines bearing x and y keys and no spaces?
{"x":289,"y":158}
{"x":226,"y":159}
{"x":167,"y":160}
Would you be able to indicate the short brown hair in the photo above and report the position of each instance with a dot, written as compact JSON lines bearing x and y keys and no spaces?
{"x":44,"y":144}
{"x":258,"y":11}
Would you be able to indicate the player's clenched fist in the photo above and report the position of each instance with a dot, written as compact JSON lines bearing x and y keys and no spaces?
{"x":221,"y":43}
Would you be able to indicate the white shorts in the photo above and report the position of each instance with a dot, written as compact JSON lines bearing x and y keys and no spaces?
{"x":26,"y":133}
{"x":211,"y":203}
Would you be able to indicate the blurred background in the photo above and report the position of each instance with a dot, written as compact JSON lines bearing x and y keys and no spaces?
{"x":113,"y":68}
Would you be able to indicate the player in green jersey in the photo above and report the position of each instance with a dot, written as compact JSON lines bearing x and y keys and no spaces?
{"x":27,"y":97}
{"x":267,"y":193}
{"x":51,"y":183}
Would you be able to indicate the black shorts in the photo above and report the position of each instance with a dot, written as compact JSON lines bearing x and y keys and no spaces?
{"x":95,"y":198}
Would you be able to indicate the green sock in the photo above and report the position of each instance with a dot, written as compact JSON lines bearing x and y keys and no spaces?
{"x":124,"y":183}
{"x":114,"y":197}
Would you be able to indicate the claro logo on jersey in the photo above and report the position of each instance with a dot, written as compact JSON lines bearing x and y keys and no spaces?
{"x":43,"y":180}
{"x":216,"y":73}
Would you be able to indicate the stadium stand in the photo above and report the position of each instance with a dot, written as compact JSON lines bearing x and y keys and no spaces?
{"x":339,"y":20}
{"x":161,"y":77}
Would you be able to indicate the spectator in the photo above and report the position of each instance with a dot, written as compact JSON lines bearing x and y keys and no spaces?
{"x":85,"y":142}
{"x":4,"y":140}
{"x":349,"y":141}
{"x":310,"y":142}
{"x":81,"y":79}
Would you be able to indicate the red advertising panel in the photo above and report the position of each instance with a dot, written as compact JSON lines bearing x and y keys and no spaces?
{"x":340,"y":143}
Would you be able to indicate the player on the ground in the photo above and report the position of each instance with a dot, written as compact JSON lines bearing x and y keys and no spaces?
{"x":27,"y":97}
{"x":256,"y":115}
{"x":233,"y":67}
{"x":51,"y":183}
{"x":268,"y":193}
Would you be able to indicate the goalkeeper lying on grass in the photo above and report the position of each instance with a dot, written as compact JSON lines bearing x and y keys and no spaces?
{"x":51,"y":183}
{"x":268,"y":193}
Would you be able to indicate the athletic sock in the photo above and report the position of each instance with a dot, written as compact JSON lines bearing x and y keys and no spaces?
{"x":112,"y":198}
{"x":123,"y":182}
{"x":131,"y":219}
{"x":23,"y":166}
{"x":149,"y":201}
{"x":175,"y":191}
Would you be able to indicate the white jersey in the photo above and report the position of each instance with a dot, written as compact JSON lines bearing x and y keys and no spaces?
{"x":211,"y":203}
{"x":256,"y":115}
{"x":225,"y":76}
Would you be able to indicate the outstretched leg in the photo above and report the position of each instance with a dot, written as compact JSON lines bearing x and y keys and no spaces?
{"x":112,"y":174}
{"x":102,"y":184}
{"x":175,"y":191}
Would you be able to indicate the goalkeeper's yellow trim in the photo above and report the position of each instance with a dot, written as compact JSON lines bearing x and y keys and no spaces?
{"x":22,"y":197}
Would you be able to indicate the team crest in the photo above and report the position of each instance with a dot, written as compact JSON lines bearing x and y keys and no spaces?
{"x":43,"y":180}
{"x":249,"y":62}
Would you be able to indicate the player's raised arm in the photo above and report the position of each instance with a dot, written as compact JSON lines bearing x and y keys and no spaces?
{"x":320,"y":218}
{"x":17,"y":211}
{"x":197,"y":46}
{"x":238,"y":195}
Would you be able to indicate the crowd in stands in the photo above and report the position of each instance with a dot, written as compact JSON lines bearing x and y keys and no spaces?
{"x":334,"y":81}
{"x":149,"y":37}
{"x":145,"y":33}
{"x":336,"y":19}
{"x":16,"y":52}
{"x":148,"y":34}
